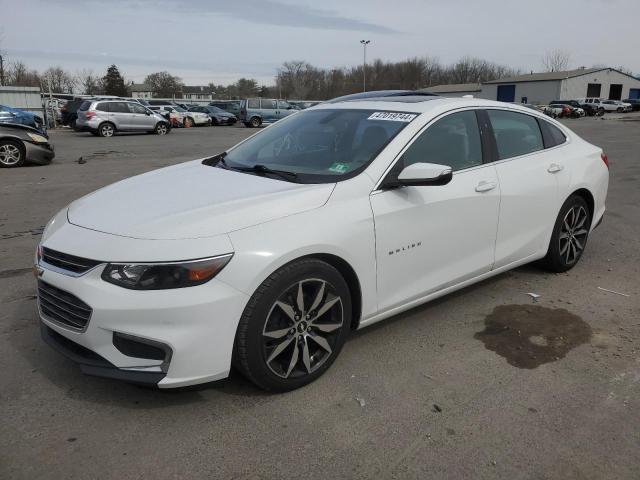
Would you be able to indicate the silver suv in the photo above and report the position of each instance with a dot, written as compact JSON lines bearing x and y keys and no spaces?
{"x":106,"y":117}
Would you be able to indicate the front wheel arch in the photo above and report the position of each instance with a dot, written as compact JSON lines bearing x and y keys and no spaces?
{"x":588,"y":197}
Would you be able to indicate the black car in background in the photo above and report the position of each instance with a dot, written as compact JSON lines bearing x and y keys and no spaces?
{"x":635,"y":103}
{"x":20,"y":144}
{"x":217,"y":115}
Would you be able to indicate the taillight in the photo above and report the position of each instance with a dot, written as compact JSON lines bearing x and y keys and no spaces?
{"x":89,"y":115}
{"x":605,"y":159}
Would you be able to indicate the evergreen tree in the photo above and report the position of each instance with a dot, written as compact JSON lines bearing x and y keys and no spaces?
{"x":114,"y":83}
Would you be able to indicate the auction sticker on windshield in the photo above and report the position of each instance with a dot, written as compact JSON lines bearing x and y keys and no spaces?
{"x":393,"y":116}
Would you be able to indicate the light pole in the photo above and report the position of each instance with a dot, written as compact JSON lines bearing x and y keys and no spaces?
{"x":364,"y":64}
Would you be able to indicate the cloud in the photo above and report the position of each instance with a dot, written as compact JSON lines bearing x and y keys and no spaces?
{"x":263,"y":12}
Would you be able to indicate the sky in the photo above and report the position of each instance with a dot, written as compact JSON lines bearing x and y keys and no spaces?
{"x":220,"y":41}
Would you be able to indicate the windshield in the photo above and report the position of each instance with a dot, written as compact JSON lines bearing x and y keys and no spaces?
{"x":321,"y":145}
{"x":179,"y":109}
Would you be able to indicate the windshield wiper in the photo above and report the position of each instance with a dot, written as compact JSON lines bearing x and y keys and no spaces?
{"x":259,"y":168}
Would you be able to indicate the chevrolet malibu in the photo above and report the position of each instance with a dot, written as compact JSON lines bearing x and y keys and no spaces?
{"x":268,"y":255}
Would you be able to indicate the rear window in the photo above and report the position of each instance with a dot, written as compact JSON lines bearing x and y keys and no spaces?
{"x":268,"y":104}
{"x":103,"y":107}
{"x":515,"y":133}
{"x":552,"y":135}
{"x":253,"y":103}
{"x":118,"y":107}
{"x":84,"y":106}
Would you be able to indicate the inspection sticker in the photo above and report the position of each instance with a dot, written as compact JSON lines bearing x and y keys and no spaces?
{"x":393,"y":116}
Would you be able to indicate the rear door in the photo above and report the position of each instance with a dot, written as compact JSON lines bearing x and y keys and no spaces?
{"x":120,"y":116}
{"x":528,"y":184}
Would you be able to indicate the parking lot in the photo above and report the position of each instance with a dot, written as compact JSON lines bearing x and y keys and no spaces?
{"x":427,"y":394}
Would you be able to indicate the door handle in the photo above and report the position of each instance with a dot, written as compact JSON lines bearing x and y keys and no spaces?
{"x":484,"y":186}
{"x":554,"y":168}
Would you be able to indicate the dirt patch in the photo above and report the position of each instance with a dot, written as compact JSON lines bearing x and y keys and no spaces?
{"x":528,"y":336}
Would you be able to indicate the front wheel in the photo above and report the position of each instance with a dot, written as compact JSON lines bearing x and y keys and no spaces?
{"x":570,"y":234}
{"x":12,"y":154}
{"x":294,"y":326}
{"x":161,"y":128}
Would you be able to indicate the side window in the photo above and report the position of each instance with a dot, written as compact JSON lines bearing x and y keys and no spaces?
{"x":118,"y":107}
{"x":453,"y":140}
{"x":253,"y":103}
{"x":551,"y":134}
{"x":102,"y":107}
{"x":268,"y":104}
{"x":515,"y":133}
{"x":136,"y":108}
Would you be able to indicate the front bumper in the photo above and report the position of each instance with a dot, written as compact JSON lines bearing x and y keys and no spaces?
{"x":196,"y":324}
{"x":41,"y":153}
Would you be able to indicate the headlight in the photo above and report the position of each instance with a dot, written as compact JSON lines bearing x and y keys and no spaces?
{"x":160,"y":276}
{"x":37,"y":138}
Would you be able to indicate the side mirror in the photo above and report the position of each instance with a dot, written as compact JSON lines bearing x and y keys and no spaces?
{"x":421,"y":174}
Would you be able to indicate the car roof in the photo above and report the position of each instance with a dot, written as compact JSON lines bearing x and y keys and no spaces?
{"x":417,"y":104}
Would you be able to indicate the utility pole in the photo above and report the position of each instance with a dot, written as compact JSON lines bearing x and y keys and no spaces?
{"x":1,"y":71}
{"x":364,"y":64}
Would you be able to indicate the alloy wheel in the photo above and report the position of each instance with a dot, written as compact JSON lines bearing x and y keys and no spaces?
{"x":161,"y":129}
{"x":302,"y":328}
{"x":9,"y":154}
{"x":573,"y":234}
{"x":107,"y":130}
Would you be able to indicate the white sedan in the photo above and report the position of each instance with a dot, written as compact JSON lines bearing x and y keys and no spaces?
{"x":268,"y":255}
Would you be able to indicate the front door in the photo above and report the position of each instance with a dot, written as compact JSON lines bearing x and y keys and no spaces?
{"x":139,"y":118}
{"x":432,"y":237}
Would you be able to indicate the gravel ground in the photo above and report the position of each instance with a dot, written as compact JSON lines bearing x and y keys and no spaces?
{"x":442,"y":391}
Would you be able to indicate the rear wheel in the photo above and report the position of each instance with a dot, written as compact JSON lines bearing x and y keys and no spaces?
{"x":106,"y":130}
{"x":12,"y":154}
{"x":294,"y":326}
{"x":570,"y":234}
{"x":255,"y":122}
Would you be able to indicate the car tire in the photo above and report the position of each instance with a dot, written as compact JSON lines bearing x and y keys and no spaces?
{"x":255,"y":122}
{"x":214,"y":122}
{"x":106,"y":129}
{"x":570,"y":235}
{"x":619,"y":109}
{"x":161,"y":128}
{"x":12,"y":154}
{"x":294,"y":326}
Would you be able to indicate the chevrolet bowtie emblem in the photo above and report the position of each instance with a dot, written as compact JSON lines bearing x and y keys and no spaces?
{"x":37,"y":271}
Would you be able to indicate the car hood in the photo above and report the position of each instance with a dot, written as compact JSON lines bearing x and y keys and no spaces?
{"x":192,"y":200}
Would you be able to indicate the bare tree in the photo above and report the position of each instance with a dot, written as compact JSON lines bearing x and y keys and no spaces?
{"x":163,"y":84}
{"x":18,"y":74}
{"x":556,"y":60}
{"x":56,"y":79}
{"x":88,"y":82}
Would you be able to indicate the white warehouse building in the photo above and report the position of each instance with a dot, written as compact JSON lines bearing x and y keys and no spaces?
{"x":542,"y":88}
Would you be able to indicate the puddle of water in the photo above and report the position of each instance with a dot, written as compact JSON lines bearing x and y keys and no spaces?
{"x":528,"y":336}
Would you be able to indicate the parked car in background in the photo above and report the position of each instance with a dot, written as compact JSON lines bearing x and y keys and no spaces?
{"x":108,"y":117}
{"x":634,"y":102}
{"x":20,"y":144}
{"x":267,"y":256}
{"x":185,"y":117}
{"x":217,"y":115}
{"x":257,"y":111}
{"x":170,"y":112}
{"x":231,"y":106}
{"x":589,"y":109}
{"x":617,"y":106}
{"x":69,"y":111}
{"x":537,"y":108}
{"x":602,"y":104}
{"x":22,"y":117}
{"x":141,"y":101}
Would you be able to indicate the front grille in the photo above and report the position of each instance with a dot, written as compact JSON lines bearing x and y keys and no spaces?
{"x":63,"y":307}
{"x":68,"y":262}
